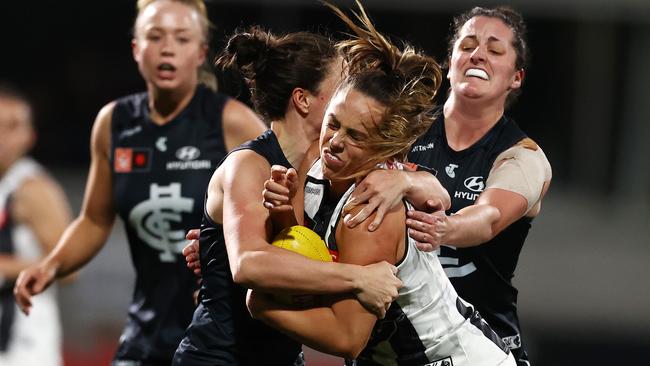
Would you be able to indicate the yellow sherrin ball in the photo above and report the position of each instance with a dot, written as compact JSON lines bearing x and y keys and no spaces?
{"x":302,"y":240}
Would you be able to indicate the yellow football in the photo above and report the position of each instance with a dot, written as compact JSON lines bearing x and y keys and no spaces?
{"x":303,"y":240}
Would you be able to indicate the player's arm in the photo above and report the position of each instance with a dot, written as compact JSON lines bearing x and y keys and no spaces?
{"x":256,"y":264}
{"x":240,"y":124}
{"x":384,"y":189}
{"x":284,"y":193}
{"x":82,"y":239}
{"x":344,"y":327}
{"x":515,"y":187}
{"x":40,"y":204}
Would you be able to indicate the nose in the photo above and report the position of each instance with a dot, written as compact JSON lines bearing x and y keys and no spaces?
{"x":336,"y":142}
{"x":478,"y":55}
{"x":167,"y":46}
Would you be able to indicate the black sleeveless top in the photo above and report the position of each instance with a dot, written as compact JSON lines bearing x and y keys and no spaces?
{"x":483,"y":274}
{"x":242,"y":340}
{"x":160,"y":174}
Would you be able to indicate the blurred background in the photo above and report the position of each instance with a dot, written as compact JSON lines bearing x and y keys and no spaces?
{"x":583,"y":275}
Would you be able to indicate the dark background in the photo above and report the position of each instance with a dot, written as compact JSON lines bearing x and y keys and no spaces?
{"x":583,"y":274}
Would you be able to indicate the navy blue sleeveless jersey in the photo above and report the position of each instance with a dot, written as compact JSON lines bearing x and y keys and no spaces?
{"x":160,"y":174}
{"x":222,"y":331}
{"x":481,"y":275}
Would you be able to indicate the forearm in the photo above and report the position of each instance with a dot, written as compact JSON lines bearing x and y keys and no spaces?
{"x":275,"y":269}
{"x":10,"y":267}
{"x":78,"y":245}
{"x":335,"y":334}
{"x":423,"y":186}
{"x":471,"y":226}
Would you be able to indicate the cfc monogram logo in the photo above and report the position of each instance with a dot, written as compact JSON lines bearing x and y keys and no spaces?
{"x":153,"y":219}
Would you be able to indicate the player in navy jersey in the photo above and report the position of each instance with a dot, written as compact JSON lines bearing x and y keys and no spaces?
{"x":33,"y":214}
{"x":495,"y":174}
{"x":153,"y":154}
{"x":292,"y":78}
{"x":380,"y":109}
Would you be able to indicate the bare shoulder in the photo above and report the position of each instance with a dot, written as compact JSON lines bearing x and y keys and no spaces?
{"x":358,"y":245}
{"x":40,"y":196}
{"x":240,"y":124}
{"x":243,"y":166}
{"x":101,"y":133}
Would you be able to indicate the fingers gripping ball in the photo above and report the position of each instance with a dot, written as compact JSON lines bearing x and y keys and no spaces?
{"x":302,"y":240}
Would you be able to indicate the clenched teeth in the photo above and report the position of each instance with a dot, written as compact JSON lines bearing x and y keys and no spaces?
{"x":477,"y":73}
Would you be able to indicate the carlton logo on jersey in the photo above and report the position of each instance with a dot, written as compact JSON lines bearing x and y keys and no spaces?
{"x":187,"y":156}
{"x":475,"y":185}
{"x":154,"y":217}
{"x":449,"y":169}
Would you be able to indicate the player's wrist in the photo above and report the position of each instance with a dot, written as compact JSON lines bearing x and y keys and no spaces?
{"x":52,"y":266}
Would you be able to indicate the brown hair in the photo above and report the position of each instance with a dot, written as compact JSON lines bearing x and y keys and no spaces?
{"x":509,"y":17}
{"x":404,"y":80}
{"x":206,"y":76}
{"x":274,"y":66}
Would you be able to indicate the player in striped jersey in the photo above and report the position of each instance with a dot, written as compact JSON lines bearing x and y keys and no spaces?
{"x":384,"y":104}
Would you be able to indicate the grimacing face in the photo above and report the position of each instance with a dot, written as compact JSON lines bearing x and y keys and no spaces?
{"x":347,"y":119}
{"x":169,"y":45}
{"x":482,"y":64}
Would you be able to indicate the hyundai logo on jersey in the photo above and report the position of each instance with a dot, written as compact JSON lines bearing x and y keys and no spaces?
{"x":187,"y":153}
{"x":474,"y":184}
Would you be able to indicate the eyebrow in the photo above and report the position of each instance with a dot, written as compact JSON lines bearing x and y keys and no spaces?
{"x":348,"y":129}
{"x":163,"y":29}
{"x":475,"y":38}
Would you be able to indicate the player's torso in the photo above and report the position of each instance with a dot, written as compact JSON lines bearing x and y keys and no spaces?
{"x":405,"y":335}
{"x":160,"y":173}
{"x":481,"y":275}
{"x":159,"y":176}
{"x":239,"y":336}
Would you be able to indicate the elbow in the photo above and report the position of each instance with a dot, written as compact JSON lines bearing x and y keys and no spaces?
{"x":241,"y":272}
{"x":351,"y":351}
{"x":493,"y":215}
{"x":351,"y":347}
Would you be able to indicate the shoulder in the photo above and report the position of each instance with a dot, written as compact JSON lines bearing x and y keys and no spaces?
{"x":244,"y":165}
{"x":358,"y":245}
{"x":236,"y":112}
{"x":527,"y":154}
{"x":105,"y":115}
{"x":101,"y":132}
{"x":39,"y":192}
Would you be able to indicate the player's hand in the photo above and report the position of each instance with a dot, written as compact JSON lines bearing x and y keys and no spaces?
{"x":191,"y":251}
{"x":280,"y":189}
{"x":382,"y":190}
{"x":428,"y":229}
{"x":378,"y":287}
{"x":32,"y":281}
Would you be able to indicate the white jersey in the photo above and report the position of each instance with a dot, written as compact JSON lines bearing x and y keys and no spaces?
{"x":428,"y":324}
{"x":33,"y":339}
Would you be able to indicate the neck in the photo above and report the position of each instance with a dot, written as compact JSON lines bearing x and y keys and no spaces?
{"x":165,"y":105}
{"x":467,"y":121}
{"x":339,"y":187}
{"x":4,"y":168}
{"x":294,"y":144}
